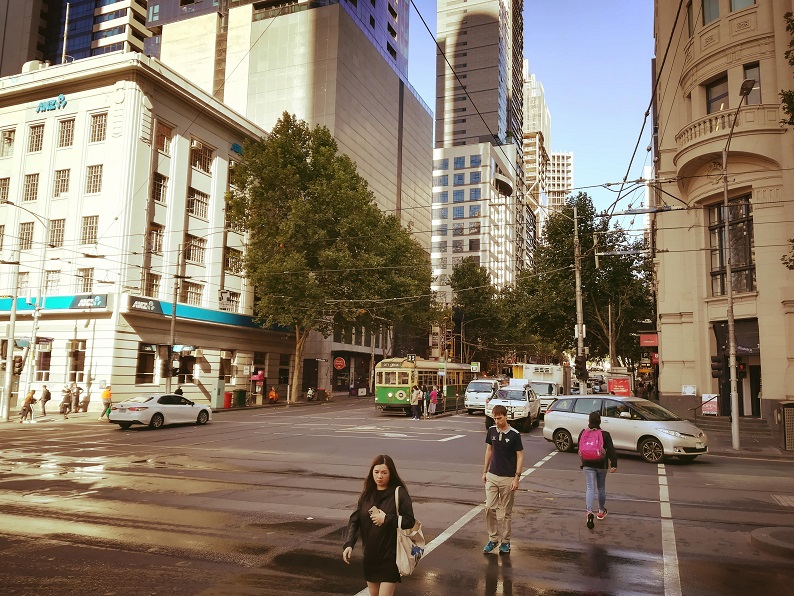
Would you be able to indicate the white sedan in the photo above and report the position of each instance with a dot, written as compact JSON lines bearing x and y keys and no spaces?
{"x":156,"y":410}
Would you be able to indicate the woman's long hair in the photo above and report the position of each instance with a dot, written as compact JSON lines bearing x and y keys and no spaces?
{"x":369,"y":482}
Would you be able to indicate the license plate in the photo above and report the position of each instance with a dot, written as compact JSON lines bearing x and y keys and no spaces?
{"x":699,"y":445}
{"x":122,"y":410}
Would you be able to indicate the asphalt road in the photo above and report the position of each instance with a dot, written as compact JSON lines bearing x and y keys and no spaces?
{"x":256,"y":502}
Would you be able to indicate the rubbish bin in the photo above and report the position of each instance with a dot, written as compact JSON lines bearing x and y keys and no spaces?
{"x":786,"y":419}
{"x":320,"y":394}
{"x":239,"y":398}
{"x":227,"y":399}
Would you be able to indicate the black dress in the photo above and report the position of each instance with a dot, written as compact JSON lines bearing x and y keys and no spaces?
{"x":380,"y":542}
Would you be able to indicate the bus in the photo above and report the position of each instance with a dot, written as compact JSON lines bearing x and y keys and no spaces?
{"x":394,"y":378}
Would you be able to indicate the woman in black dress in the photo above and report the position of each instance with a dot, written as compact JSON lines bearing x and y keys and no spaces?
{"x":376,"y":518}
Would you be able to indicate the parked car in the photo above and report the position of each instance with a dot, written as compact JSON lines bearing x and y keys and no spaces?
{"x":478,"y":392}
{"x":636,"y":425}
{"x":523,"y":407}
{"x":156,"y":410}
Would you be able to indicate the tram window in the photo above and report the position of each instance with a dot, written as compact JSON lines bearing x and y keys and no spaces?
{"x":390,"y":378}
{"x":403,"y":378}
{"x":379,"y":378}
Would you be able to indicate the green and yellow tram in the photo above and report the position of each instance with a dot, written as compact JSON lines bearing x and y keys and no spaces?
{"x":394,"y":378}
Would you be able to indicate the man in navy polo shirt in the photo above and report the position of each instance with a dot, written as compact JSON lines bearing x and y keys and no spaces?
{"x":504,"y":458}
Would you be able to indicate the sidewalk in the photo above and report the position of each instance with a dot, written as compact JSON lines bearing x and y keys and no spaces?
{"x":750,"y":445}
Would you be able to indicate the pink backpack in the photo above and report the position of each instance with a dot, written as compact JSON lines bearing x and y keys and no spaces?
{"x":591,"y":446}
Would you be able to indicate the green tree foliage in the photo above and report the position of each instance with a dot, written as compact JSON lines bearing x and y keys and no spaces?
{"x":787,"y":97}
{"x":475,"y":308}
{"x":788,"y":260}
{"x":543,"y":302}
{"x":320,"y":253}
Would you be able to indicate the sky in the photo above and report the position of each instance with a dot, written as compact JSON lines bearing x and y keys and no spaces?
{"x":594,"y":61}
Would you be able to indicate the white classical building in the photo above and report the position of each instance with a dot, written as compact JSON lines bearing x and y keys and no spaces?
{"x":116,"y":169}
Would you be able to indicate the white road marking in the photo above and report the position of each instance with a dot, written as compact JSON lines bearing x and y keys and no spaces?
{"x":672,"y":577}
{"x":784,"y":500}
{"x":464,"y":519}
{"x":451,"y":438}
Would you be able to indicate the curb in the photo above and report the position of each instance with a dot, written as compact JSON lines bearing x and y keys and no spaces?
{"x":777,"y":541}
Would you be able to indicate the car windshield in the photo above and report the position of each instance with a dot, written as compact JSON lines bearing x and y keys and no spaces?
{"x":652,"y":411}
{"x":511,"y":394}
{"x":483,"y":386}
{"x":542,"y":388}
{"x":140,"y":398}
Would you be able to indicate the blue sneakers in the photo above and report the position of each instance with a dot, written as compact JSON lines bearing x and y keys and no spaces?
{"x":489,"y":547}
{"x":504,"y":548}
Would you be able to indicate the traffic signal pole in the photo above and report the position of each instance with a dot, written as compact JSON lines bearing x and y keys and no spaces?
{"x":5,"y":406}
{"x":577,"y":254}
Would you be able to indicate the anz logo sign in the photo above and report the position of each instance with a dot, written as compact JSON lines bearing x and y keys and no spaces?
{"x":53,"y":104}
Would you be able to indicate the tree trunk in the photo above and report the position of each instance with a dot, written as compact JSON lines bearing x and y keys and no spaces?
{"x":301,"y":335}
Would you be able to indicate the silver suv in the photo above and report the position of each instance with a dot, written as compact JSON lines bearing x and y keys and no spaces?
{"x":635,"y":424}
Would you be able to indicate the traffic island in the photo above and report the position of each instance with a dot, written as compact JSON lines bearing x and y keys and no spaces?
{"x":776,"y":541}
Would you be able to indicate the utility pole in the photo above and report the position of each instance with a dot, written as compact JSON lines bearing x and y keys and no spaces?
{"x":577,"y":254}
{"x":5,"y":407}
{"x":172,"y":338}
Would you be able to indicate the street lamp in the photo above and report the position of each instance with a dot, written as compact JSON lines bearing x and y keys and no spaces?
{"x":744,"y":91}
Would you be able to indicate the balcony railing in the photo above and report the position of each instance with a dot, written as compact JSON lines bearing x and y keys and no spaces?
{"x":754,"y":118}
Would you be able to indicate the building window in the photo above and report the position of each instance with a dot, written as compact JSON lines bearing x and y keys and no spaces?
{"x":36,"y":138}
{"x":717,"y":95}
{"x":75,"y":349}
{"x":5,"y":184}
{"x":201,"y":156}
{"x":474,"y":177}
{"x":52,"y":279}
{"x":156,"y":234}
{"x":192,"y":293}
{"x":61,"y":185}
{"x":474,"y":244}
{"x":441,"y":164}
{"x":475,"y":161}
{"x":711,"y":11}
{"x":56,"y":232}
{"x":154,"y":13}
{"x":84,"y":281}
{"x":151,"y":285}
{"x":163,"y":136}
{"x":144,"y":370}
{"x":439,"y":263}
{"x":474,"y":211}
{"x":457,"y":229}
{"x":232,"y":303}
{"x":752,"y":71}
{"x":740,"y":4}
{"x":88,"y":231}
{"x":440,"y":197}
{"x":194,"y":249}
{"x":440,"y":246}
{"x":460,"y":163}
{"x":2,"y":236}
{"x":440,"y":230}
{"x":457,"y":196}
{"x":43,"y":361}
{"x":31,"y":188}
{"x":457,"y":213}
{"x":23,"y":283}
{"x":441,"y":180}
{"x":442,"y":213}
{"x":741,"y":245}
{"x":474,"y":227}
{"x":457,"y":246}
{"x":93,"y":181}
{"x":197,"y":203}
{"x":159,"y":188}
{"x":26,"y":235}
{"x":66,"y":133}
{"x":371,"y":21}
{"x":186,"y":366}
{"x":7,"y":142}
{"x":690,"y":19}
{"x":233,"y":261}
{"x":475,"y":194}
{"x":99,"y":124}
{"x":458,"y":179}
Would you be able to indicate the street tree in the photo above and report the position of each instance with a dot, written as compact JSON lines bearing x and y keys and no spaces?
{"x":475,"y":307}
{"x":787,"y":96}
{"x":320,"y":253}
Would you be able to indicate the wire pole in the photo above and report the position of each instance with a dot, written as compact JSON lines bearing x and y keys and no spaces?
{"x":577,"y":254}
{"x":172,"y":337}
{"x":5,"y":407}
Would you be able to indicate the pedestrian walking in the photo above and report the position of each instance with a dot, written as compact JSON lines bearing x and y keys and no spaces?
{"x":598,"y":457}
{"x":504,"y":458}
{"x":76,"y":391}
{"x":272,"y":397}
{"x":416,"y":398}
{"x":27,"y":407}
{"x":178,"y":390}
{"x":107,"y":401}
{"x":433,"y":400}
{"x":375,"y":518}
{"x":45,"y":397}
{"x":66,"y":401}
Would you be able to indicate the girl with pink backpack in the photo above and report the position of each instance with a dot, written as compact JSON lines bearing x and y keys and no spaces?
{"x":598,"y":457}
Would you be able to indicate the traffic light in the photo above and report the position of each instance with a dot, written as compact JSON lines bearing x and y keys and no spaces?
{"x":19,"y":364}
{"x":718,"y":366}
{"x":580,"y":367}
{"x":741,"y":369}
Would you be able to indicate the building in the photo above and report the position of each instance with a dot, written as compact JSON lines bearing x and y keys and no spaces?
{"x":479,"y":115}
{"x":348,"y":73}
{"x":117,"y":168}
{"x":560,"y":179}
{"x":537,"y":144}
{"x":38,"y":30}
{"x":724,"y":42}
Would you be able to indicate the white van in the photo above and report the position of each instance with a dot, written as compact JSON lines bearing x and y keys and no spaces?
{"x":478,"y":392}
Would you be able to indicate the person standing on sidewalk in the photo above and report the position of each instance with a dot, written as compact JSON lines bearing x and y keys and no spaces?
{"x":107,"y":401}
{"x":76,"y":391}
{"x":66,"y":401}
{"x":27,"y":406}
{"x":595,"y":471}
{"x":504,"y":458}
{"x":45,"y":397}
{"x":416,"y":398}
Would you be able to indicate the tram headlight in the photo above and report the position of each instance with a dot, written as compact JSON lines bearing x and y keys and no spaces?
{"x":390,"y":394}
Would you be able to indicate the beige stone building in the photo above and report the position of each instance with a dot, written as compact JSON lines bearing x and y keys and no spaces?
{"x":724,"y":42}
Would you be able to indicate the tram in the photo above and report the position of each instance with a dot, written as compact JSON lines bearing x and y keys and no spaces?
{"x":394,"y":378}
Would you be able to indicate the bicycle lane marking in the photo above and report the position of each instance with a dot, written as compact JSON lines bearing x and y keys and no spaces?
{"x":464,"y":519}
{"x":672,"y":577}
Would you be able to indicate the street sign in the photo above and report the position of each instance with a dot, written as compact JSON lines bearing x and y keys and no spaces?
{"x":339,"y":363}
{"x":475,"y":367}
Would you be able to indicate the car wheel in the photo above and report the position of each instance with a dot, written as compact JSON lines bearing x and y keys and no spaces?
{"x":651,"y":450}
{"x":563,"y":440}
{"x":470,"y":412}
{"x":536,"y":422}
{"x":202,"y":417}
{"x":156,"y":421}
{"x":687,"y":458}
{"x":125,"y":425}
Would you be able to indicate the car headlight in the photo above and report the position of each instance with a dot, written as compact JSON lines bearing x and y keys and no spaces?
{"x":672,"y":433}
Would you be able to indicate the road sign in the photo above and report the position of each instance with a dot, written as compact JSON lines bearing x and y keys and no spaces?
{"x":475,"y":367}
{"x":339,"y":363}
